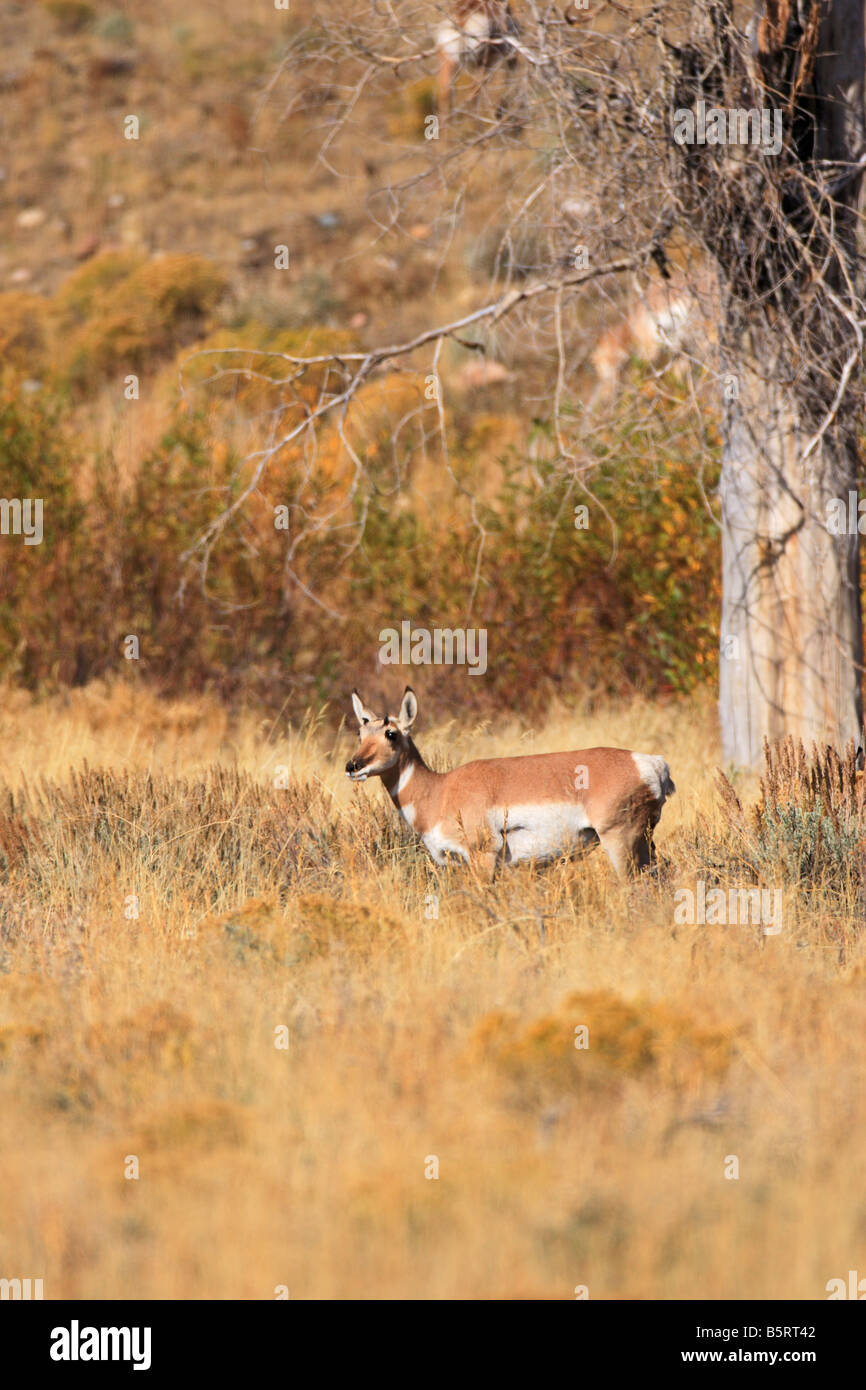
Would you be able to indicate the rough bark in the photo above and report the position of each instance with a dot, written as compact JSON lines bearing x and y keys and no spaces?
{"x":791,"y":631}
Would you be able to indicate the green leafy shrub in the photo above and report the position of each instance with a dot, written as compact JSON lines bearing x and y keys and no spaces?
{"x":70,"y":16}
{"x":40,"y":584}
{"x":85,"y":292}
{"x":118,"y":313}
{"x":557,"y":602}
{"x":24,"y":331}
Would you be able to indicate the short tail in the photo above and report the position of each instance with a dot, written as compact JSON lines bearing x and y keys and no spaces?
{"x":667,"y":781}
{"x":656,"y":775}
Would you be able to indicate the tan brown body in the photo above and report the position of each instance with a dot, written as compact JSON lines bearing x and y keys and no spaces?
{"x":666,"y":322}
{"x":538,"y":806}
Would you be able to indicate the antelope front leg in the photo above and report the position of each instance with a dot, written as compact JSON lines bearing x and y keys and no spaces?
{"x":646,"y":851}
{"x":444,"y":82}
{"x":485,"y":864}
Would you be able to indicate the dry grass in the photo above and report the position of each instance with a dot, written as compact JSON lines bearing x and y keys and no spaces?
{"x":178,"y":883}
{"x":409,"y":1036}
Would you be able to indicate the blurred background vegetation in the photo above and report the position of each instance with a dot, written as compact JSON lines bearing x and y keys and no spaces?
{"x":121,"y":257}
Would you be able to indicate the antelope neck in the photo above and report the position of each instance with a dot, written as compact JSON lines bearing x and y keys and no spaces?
{"x":408,"y":776}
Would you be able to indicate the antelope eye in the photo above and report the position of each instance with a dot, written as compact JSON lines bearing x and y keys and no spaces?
{"x":390,"y":735}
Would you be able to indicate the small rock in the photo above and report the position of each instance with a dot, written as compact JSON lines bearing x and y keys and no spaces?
{"x":21,"y":276}
{"x":476,"y":375}
{"x":111,"y":65}
{"x":30,"y":218}
{"x":328,"y":220}
{"x":31,"y":386}
{"x":115,"y":200}
{"x":580,"y":210}
{"x":258,"y":249}
{"x":87,"y":248}
{"x":420,"y":231}
{"x":236,"y":125}
{"x":359,"y":320}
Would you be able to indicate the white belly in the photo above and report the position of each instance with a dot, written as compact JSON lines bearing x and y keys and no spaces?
{"x":540,"y":832}
{"x":439,"y":846}
{"x":527,"y":832}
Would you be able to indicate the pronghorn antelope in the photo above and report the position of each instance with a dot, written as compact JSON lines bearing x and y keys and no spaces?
{"x":502,"y":810}
{"x":477,"y":35}
{"x":669,"y":319}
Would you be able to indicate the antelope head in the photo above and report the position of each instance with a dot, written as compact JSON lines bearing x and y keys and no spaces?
{"x":384,"y":739}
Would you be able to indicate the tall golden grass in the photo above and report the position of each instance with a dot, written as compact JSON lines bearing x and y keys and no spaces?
{"x":272,"y":895}
{"x":181,"y":882}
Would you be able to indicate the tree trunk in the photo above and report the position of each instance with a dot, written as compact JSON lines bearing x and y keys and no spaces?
{"x":791,"y":632}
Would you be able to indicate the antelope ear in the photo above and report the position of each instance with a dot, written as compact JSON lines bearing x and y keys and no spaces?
{"x":408,"y":710}
{"x":362,"y":714}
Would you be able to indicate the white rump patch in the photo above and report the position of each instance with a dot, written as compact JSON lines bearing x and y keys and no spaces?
{"x":655,"y":773}
{"x":466,"y":40}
